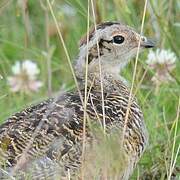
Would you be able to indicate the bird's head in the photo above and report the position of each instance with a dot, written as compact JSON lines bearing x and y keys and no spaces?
{"x":113,"y":44}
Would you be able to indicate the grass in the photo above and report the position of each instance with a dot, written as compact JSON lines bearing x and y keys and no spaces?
{"x":20,"y":40}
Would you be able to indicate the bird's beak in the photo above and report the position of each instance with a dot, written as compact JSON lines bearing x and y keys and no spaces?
{"x":147,"y":43}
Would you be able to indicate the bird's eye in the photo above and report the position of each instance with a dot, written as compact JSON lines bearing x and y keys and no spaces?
{"x":118,"y":39}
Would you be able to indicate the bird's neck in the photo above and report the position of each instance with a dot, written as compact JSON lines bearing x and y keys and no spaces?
{"x":109,"y":83}
{"x":99,"y":70}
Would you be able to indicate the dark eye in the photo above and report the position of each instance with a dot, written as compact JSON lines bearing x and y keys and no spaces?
{"x":118,"y":39}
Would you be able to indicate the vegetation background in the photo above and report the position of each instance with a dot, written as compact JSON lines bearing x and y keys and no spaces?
{"x":27,"y":31}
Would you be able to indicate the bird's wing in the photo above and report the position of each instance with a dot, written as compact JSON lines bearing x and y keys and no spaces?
{"x":32,"y":132}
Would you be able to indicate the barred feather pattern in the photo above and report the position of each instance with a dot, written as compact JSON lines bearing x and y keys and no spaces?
{"x":54,"y":130}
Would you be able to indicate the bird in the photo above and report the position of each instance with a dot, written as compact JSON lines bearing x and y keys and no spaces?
{"x":46,"y":139}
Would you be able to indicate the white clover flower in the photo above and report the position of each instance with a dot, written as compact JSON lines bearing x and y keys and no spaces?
{"x":24,"y":77}
{"x":162,"y":62}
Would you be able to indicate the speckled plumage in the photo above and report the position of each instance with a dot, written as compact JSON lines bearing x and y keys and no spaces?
{"x":51,"y":132}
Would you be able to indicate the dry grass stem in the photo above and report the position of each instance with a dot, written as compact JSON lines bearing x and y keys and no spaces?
{"x":134,"y":74}
{"x":100,"y":69}
{"x":65,"y":49}
{"x":85,"y":99}
{"x":140,"y":82}
{"x":27,"y":24}
{"x":173,"y":159}
{"x":49,"y":54}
